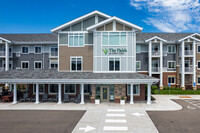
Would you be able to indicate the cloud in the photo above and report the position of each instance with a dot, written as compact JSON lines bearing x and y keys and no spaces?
{"x":171,"y":15}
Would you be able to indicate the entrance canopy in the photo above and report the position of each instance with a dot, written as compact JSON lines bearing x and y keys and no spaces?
{"x":53,"y":76}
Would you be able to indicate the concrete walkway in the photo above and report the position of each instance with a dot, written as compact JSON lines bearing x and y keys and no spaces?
{"x":109,"y":117}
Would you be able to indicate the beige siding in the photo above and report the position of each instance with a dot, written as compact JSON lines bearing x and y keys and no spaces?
{"x":128,"y":28}
{"x":109,"y":27}
{"x":64,"y":57}
{"x":119,"y":27}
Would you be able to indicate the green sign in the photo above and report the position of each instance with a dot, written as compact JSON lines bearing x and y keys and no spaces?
{"x":114,"y":51}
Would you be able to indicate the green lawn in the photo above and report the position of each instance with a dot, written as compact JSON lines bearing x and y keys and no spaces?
{"x":177,"y":92}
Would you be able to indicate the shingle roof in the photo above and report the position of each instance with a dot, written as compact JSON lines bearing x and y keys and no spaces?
{"x":166,"y":36}
{"x":49,"y":37}
{"x":55,"y":76}
{"x":43,"y":37}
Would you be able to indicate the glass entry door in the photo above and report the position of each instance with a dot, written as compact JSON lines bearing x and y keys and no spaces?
{"x":105,"y":93}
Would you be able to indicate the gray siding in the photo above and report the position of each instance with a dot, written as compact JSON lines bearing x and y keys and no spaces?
{"x":31,"y":58}
{"x":66,"y":29}
{"x":143,"y":58}
{"x":89,"y":38}
{"x":88,"y":22}
{"x":100,"y":18}
{"x":76,"y":27}
{"x":169,"y":57}
{"x":63,"y":38}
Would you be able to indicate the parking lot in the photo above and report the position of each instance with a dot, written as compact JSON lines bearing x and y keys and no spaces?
{"x":18,"y":121}
{"x":182,"y":121}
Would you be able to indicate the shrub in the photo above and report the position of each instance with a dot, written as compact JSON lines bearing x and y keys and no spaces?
{"x":97,"y":97}
{"x":153,"y":88}
{"x":122,"y":98}
{"x":18,"y":87}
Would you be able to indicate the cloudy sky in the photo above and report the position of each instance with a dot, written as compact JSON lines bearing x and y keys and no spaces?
{"x":39,"y":16}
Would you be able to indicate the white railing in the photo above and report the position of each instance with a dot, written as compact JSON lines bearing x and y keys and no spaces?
{"x":187,"y":69}
{"x":155,"y":53}
{"x":164,"y":69}
{"x":165,"y":53}
{"x":188,"y":52}
{"x":53,"y":54}
{"x":155,"y":69}
{"x":2,"y":53}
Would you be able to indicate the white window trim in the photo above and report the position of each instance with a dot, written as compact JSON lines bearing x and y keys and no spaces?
{"x":51,"y":92}
{"x":22,"y":50}
{"x":168,"y":65}
{"x":52,"y":46}
{"x":78,"y":39}
{"x":197,"y":64}
{"x":35,"y":51}
{"x":136,"y":49}
{"x":171,"y":46}
{"x":197,"y":80}
{"x":114,"y":64}
{"x":139,"y":64}
{"x":134,"y":94}
{"x":197,"y":48}
{"x":24,"y":62}
{"x":76,"y":64}
{"x":70,"y":93}
{"x":171,"y":77}
{"x":37,"y":62}
{"x":109,"y":37}
{"x":39,"y":90}
{"x":50,"y":61}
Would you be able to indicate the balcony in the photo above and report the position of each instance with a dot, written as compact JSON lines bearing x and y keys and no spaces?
{"x":187,"y":53}
{"x":187,"y":70}
{"x":155,"y":69}
{"x":53,"y":54}
{"x":3,"y":54}
{"x":2,"y":69}
{"x":155,"y":53}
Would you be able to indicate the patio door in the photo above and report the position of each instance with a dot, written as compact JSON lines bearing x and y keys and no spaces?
{"x":105,"y":93}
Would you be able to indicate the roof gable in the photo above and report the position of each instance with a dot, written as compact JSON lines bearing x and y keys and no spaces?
{"x":79,"y":19}
{"x":189,"y":38}
{"x":3,"y":39}
{"x":156,"y":38}
{"x":116,"y":19}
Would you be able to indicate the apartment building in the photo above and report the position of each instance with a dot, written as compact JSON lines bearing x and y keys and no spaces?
{"x":99,"y":55}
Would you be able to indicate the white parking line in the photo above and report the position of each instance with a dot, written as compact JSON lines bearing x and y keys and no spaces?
{"x":116,"y":115}
{"x":115,"y":128}
{"x":115,"y":121}
{"x":116,"y":110}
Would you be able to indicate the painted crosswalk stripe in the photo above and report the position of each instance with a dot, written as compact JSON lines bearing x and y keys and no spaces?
{"x":116,"y":110}
{"x":115,"y":128}
{"x":115,"y":121}
{"x":116,"y":115}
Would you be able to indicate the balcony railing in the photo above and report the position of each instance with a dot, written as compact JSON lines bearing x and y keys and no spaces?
{"x":155,"y":53}
{"x":2,"y":68}
{"x":155,"y":69}
{"x":53,"y":54}
{"x":187,"y":69}
{"x":187,"y":52}
{"x":3,"y":53}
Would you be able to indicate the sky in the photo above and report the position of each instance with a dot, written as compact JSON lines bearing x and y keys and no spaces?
{"x":40,"y":16}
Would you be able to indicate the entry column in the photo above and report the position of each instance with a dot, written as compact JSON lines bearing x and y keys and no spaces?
{"x":59,"y":94}
{"x":82,"y":94}
{"x":37,"y":94}
{"x":149,"y":94}
{"x":15,"y":94}
{"x":131,"y":98}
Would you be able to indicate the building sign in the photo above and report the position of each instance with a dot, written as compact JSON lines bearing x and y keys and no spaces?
{"x":114,"y":51}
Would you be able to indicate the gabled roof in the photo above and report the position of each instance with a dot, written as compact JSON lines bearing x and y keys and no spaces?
{"x":189,"y":37}
{"x":78,"y":19}
{"x":117,"y":19}
{"x":1,"y":38}
{"x":156,"y":37}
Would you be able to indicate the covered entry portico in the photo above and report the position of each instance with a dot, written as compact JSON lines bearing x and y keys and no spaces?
{"x":54,"y":77}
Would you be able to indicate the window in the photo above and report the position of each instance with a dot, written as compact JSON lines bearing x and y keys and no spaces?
{"x":198,"y":64}
{"x":171,"y":49}
{"x":114,"y":64}
{"x":187,"y":47}
{"x":114,"y":38}
{"x":54,"y":51}
{"x":136,"y":90}
{"x":38,"y":49}
{"x":138,"y":48}
{"x":25,"y":65}
{"x":10,"y":64}
{"x":198,"y":49}
{"x":70,"y":88}
{"x":155,"y":48}
{"x":171,"y":80}
{"x":76,"y":63}
{"x":87,"y":88}
{"x":76,"y":39}
{"x":198,"y":80}
{"x":41,"y":89}
{"x":138,"y":64}
{"x":171,"y":64}
{"x":25,"y":50}
{"x":187,"y":63}
{"x":53,"y":64}
{"x":53,"y":89}
{"x":37,"y":65}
